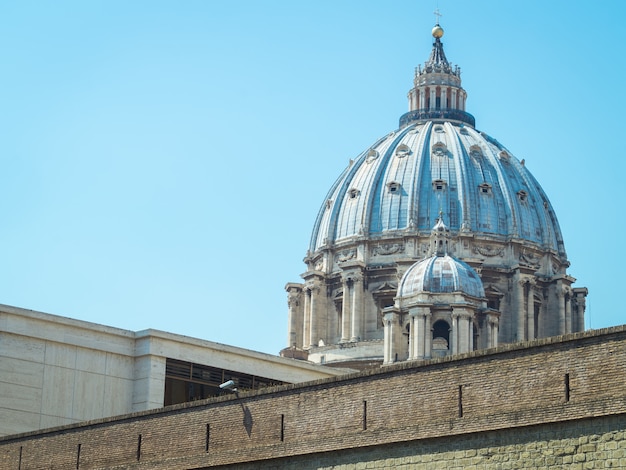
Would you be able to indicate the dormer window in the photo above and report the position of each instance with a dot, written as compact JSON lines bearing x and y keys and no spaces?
{"x":372,"y":155}
{"x":522,"y":195}
{"x":438,"y":129}
{"x":484,"y":188}
{"x":439,"y":185}
{"x":402,"y":151}
{"x":476,"y":152}
{"x":353,"y":193}
{"x":504,"y":155}
{"x":393,"y":187}
{"x":439,"y":149}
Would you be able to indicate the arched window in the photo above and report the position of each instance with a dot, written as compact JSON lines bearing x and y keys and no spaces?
{"x":441,"y":335}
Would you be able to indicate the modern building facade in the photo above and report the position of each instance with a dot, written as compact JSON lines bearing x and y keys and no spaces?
{"x":437,"y":179}
{"x":56,"y":370}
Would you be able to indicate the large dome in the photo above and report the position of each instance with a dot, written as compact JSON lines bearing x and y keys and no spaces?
{"x":405,"y":179}
{"x":435,"y":185}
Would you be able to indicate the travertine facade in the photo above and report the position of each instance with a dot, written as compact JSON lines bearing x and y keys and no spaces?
{"x":56,"y":370}
{"x":376,"y":223}
{"x":552,"y":403}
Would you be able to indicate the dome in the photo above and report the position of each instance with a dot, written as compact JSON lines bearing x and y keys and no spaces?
{"x":387,"y":209}
{"x":441,"y":274}
{"x":402,"y":182}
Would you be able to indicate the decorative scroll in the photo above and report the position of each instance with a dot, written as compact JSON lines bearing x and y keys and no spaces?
{"x":388,"y":248}
{"x":346,"y":255}
{"x":528,"y":257}
{"x":488,"y":250}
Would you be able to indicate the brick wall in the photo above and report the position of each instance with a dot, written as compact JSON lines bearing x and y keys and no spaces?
{"x":558,"y":401}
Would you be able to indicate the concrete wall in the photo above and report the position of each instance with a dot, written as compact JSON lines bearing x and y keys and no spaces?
{"x":56,"y":371}
{"x":550,"y":403}
{"x":60,"y":372}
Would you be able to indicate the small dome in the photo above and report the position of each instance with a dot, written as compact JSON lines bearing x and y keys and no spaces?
{"x":437,"y":32}
{"x":441,"y":274}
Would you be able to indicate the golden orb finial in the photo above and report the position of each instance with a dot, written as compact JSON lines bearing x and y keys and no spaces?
{"x":437,"y":32}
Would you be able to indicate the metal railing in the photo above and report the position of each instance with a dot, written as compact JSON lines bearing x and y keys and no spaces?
{"x":436,"y":114}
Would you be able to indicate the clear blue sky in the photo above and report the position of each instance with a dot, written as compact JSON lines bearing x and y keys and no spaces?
{"x":163,"y":162}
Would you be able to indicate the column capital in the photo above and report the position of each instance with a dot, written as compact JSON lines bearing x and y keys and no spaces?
{"x":351,"y":276}
{"x":461,"y":312}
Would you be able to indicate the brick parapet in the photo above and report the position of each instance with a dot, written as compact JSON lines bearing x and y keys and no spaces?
{"x":554,"y":380}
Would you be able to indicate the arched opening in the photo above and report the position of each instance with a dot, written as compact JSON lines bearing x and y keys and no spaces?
{"x":441,"y":336}
{"x":339,"y":315}
{"x":475,"y":336}
{"x":537,"y":312}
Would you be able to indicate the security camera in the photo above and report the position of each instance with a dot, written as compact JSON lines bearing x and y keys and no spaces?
{"x":230,"y":385}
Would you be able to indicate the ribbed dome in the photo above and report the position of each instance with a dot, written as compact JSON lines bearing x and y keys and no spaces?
{"x":402,"y":182}
{"x":440,"y":274}
{"x":435,"y":186}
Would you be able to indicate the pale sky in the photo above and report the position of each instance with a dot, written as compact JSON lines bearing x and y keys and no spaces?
{"x":163,"y":162}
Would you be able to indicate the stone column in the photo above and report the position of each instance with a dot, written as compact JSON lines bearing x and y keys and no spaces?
{"x":391,"y":318}
{"x":579,"y":294}
{"x":530,"y":316}
{"x":293,"y":300}
{"x":346,"y":309}
{"x":453,"y":104}
{"x":454,"y":347}
{"x":433,"y":98}
{"x":428,"y":334}
{"x":568,"y":310}
{"x":560,"y":295}
{"x":314,"y":317}
{"x":413,"y":322}
{"x":422,"y":102}
{"x":419,"y":332}
{"x":461,"y":318}
{"x":521,"y":313}
{"x":386,"y":339}
{"x":422,"y":333}
{"x":444,"y":98}
{"x":493,"y":331}
{"x":357,"y":307}
{"x":306,"y":332}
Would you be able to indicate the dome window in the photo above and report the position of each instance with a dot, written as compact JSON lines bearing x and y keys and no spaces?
{"x":372,"y":155}
{"x":504,"y":155}
{"x":329,"y":203}
{"x":439,"y":149}
{"x":402,"y":151}
{"x":393,"y":187}
{"x":522,"y":195}
{"x":439,"y":129}
{"x":353,"y":193}
{"x":476,"y":151}
{"x":464,"y":131}
{"x":484,"y":188}
{"x":439,"y":185}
